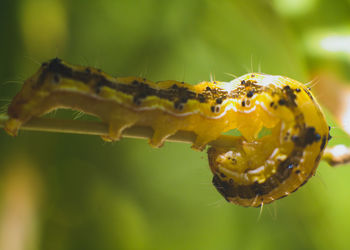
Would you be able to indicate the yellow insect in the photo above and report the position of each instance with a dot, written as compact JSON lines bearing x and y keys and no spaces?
{"x":255,"y":171}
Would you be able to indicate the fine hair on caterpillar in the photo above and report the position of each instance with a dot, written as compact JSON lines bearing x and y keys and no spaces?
{"x":255,"y":171}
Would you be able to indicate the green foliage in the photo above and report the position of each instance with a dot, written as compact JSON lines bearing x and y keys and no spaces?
{"x":126,"y":195}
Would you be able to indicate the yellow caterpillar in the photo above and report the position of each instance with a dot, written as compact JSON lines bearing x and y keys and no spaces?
{"x":255,"y":171}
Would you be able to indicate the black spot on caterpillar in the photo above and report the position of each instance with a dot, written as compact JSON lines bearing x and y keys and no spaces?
{"x":255,"y":171}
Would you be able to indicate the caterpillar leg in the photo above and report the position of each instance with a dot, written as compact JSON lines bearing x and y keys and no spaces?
{"x":12,"y":126}
{"x":206,"y":136}
{"x":200,"y":143}
{"x":160,"y":135}
{"x":163,"y":127}
{"x":116,"y":128}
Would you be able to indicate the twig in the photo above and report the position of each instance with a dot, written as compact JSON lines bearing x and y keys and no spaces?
{"x":99,"y":128}
{"x":336,"y":155}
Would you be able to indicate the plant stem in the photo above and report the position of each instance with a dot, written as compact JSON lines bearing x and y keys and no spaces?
{"x":331,"y":155}
{"x":99,"y":128}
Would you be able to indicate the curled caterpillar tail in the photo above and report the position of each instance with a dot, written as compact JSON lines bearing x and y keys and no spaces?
{"x":263,"y":170}
{"x":255,"y":171}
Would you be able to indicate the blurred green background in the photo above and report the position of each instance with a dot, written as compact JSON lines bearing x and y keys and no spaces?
{"x":60,"y":191}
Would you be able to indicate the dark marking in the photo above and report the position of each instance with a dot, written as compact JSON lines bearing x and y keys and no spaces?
{"x":295,"y":138}
{"x":201,"y":98}
{"x":223,"y":175}
{"x":56,"y":79}
{"x":297,"y":90}
{"x":178,"y":105}
{"x":136,"y":89}
{"x":291,"y":97}
{"x":224,"y":188}
{"x":137,"y":101}
{"x":323,"y":144}
{"x":243,"y":103}
{"x":56,"y":66}
{"x":317,"y":137}
{"x":250,"y":93}
{"x":243,"y":82}
{"x":56,"y":60}
{"x":318,"y":158}
{"x":282,"y":102}
{"x":306,"y":137}
{"x":309,"y":94}
{"x":329,"y":134}
{"x":283,"y":170}
{"x":183,"y":99}
{"x":245,"y":192}
{"x":311,"y":136}
{"x":219,"y":100}
{"x":212,"y":108}
{"x":230,"y":190}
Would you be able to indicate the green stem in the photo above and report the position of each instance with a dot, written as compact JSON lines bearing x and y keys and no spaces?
{"x":99,"y":128}
{"x":139,"y":132}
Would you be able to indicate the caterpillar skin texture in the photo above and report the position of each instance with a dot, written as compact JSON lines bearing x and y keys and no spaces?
{"x":255,"y":171}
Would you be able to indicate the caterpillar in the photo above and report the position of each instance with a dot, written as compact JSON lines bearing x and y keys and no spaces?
{"x":256,"y":171}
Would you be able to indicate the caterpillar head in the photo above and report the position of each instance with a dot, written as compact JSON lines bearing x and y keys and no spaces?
{"x":29,"y":101}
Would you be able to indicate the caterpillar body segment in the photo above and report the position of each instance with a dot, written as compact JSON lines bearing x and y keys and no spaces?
{"x":256,"y":171}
